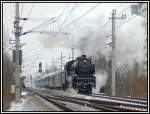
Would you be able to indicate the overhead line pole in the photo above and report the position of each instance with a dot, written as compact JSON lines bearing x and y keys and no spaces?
{"x":61,"y":60}
{"x":61,"y":63}
{"x":113,"y":55}
{"x":17,"y":73}
{"x":113,"y":63}
{"x":72,"y":53}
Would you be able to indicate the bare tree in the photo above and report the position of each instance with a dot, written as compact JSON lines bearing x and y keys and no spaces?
{"x":5,"y":39}
{"x":8,"y":73}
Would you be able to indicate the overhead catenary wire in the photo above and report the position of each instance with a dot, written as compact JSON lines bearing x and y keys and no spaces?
{"x":128,"y":7}
{"x":62,"y":13}
{"x":65,"y":20}
{"x":71,"y":11}
{"x":84,"y":14}
{"x":80,"y":17}
{"x":41,"y":25}
{"x":58,"y":17}
{"x":29,"y":13}
{"x":47,"y":22}
{"x":77,"y":19}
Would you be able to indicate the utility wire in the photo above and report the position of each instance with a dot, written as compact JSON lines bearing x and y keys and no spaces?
{"x":77,"y":19}
{"x":29,"y":13}
{"x":82,"y":15}
{"x":58,"y":17}
{"x":62,"y":13}
{"x":43,"y":24}
{"x":128,"y":7}
{"x":68,"y":15}
{"x":40,"y":26}
{"x":75,"y":6}
{"x":47,"y":22}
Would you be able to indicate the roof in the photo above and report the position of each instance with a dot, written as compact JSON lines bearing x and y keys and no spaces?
{"x":50,"y":74}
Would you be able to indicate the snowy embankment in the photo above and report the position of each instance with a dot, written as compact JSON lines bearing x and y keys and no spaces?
{"x":18,"y":106}
{"x":32,"y":103}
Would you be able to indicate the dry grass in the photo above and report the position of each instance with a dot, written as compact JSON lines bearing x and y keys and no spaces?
{"x":133,"y":86}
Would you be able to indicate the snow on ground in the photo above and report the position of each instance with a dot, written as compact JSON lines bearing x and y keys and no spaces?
{"x":78,"y":107}
{"x":24,"y":93}
{"x":35,"y":103}
{"x":31,"y":103}
{"x":17,"y":106}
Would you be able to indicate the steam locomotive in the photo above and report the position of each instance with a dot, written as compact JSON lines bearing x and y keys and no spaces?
{"x":82,"y":71}
{"x":78,"y":74}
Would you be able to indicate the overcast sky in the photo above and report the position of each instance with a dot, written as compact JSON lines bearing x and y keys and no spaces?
{"x":42,"y":48}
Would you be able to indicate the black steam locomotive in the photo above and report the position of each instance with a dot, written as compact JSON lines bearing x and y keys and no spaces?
{"x":82,"y":71}
{"x":78,"y":74}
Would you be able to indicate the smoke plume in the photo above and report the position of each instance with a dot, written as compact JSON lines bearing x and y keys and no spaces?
{"x":89,"y":38}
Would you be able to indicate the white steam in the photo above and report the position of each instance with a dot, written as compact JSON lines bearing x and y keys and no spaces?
{"x":130,"y":41}
{"x":101,"y":78}
{"x":89,"y":38}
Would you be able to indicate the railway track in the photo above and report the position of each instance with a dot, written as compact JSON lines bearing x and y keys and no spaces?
{"x":135,"y":103}
{"x":57,"y":100}
{"x":119,"y":105}
{"x":57,"y":103}
{"x":120,"y":98}
{"x":99,"y":105}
